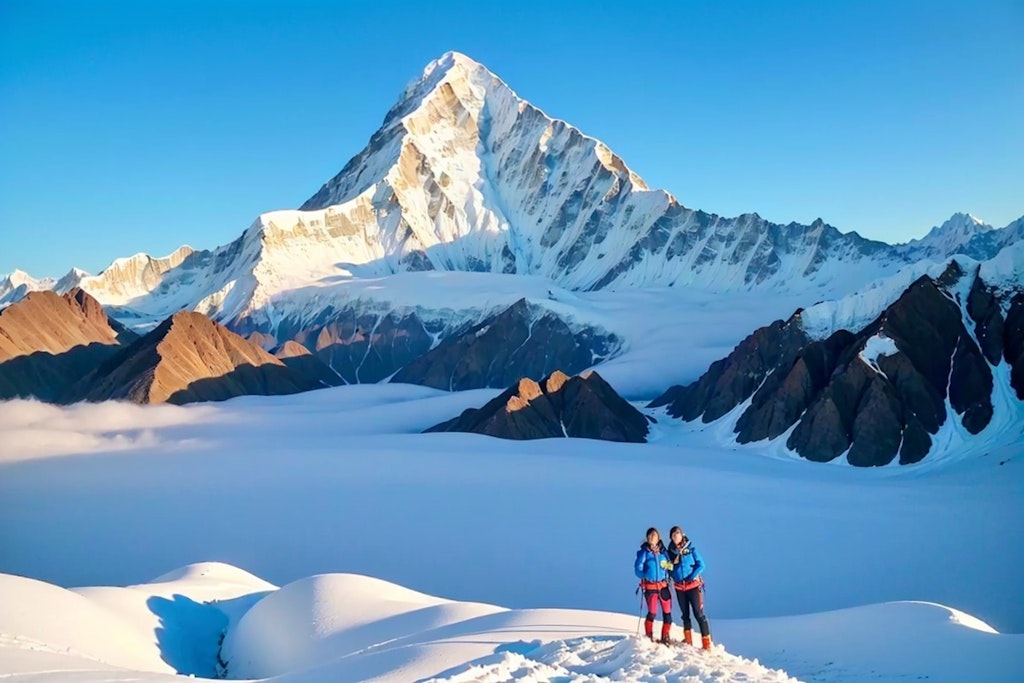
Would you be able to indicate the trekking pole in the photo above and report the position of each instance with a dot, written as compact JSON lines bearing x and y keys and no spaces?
{"x":641,"y":617}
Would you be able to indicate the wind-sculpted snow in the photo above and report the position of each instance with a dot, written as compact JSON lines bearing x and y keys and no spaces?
{"x":216,"y":621}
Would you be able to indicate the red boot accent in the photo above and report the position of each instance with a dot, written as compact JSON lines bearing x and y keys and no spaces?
{"x":649,"y":629}
{"x":705,"y":642}
{"x":666,"y":629}
{"x":688,"y":637}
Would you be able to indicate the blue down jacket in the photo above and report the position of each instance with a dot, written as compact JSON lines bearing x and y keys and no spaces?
{"x":648,"y":563}
{"x":687,"y":564}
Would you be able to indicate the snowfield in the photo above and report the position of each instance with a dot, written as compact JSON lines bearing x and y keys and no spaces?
{"x":348,"y":627}
{"x":815,"y":573}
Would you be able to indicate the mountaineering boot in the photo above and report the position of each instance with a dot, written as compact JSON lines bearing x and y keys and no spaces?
{"x":666,"y":629}
{"x":705,"y":642}
{"x":649,"y":629}
{"x":688,"y":636}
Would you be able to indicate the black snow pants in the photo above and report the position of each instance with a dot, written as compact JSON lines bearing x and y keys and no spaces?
{"x":693,"y":599}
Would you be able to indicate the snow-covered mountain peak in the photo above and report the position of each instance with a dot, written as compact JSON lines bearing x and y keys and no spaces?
{"x":454,"y":78}
{"x":451,"y":67}
{"x":960,"y":224}
{"x":955,"y":233}
{"x":126,"y":279}
{"x":449,"y":120}
{"x":16,"y":284}
{"x":464,"y":175}
{"x":141,"y":260}
{"x":73,"y":278}
{"x":19,"y":277}
{"x":964,"y":234}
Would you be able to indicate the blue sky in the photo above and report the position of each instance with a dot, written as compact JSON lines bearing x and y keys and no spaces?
{"x":142,"y":126}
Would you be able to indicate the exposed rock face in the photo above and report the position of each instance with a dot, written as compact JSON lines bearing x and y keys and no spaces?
{"x":48,"y":342}
{"x":298,"y":358}
{"x":583,"y":406}
{"x":522,"y":341}
{"x":984,"y":309}
{"x":1013,"y":343}
{"x":368,"y":347}
{"x":291,"y":349}
{"x":783,"y":397}
{"x":873,"y":394}
{"x":45,"y":321}
{"x":190,"y":358}
{"x":264,"y":341}
{"x":730,"y":381}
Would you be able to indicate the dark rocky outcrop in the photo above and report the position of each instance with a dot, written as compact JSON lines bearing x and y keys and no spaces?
{"x":48,"y":342}
{"x":358,"y":345}
{"x":522,"y":341}
{"x":784,"y":396}
{"x":730,"y":381}
{"x":869,"y":410}
{"x":190,"y":358}
{"x":1013,"y":343}
{"x":984,"y":309}
{"x":298,"y":358}
{"x":583,"y":406}
{"x":843,"y":395}
{"x":370,"y":348}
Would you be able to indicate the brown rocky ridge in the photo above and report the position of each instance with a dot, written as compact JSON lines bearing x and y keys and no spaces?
{"x":48,"y":342}
{"x":190,"y":358}
{"x":582,"y":406}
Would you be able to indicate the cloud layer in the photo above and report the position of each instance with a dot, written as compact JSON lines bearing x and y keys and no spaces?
{"x":30,"y":429}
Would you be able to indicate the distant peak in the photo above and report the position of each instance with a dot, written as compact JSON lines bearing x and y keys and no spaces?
{"x":449,"y":67}
{"x":452,"y":59}
{"x":954,"y":233}
{"x":17,"y":277}
{"x":961,"y":221}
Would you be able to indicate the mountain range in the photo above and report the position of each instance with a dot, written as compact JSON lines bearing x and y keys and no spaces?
{"x":474,"y":241}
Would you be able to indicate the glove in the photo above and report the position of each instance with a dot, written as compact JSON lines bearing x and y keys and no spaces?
{"x":665,"y":564}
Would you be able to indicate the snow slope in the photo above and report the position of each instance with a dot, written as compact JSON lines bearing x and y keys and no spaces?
{"x":215,"y":620}
{"x":300,"y":488}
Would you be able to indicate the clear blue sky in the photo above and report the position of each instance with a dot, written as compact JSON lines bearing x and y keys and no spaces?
{"x":140,"y":126}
